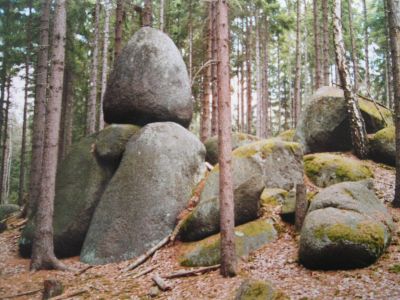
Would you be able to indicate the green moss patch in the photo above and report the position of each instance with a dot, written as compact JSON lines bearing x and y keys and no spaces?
{"x":326,"y":169}
{"x":265,"y":148}
{"x":258,"y":290}
{"x":369,"y":108}
{"x":273,"y":197}
{"x":287,"y":135}
{"x":386,"y":135}
{"x":395,"y":269}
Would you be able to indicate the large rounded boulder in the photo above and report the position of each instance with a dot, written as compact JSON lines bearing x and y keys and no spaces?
{"x":383,"y":146}
{"x":346,"y":227}
{"x":324,"y":124}
{"x":267,"y":163}
{"x":149,"y":83}
{"x":159,"y":168}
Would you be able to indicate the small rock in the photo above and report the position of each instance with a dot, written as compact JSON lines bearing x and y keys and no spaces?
{"x":154,"y":291}
{"x":52,"y":288}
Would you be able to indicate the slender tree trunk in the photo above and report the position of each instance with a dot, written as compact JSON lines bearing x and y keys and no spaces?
{"x":228,"y":253}
{"x":39,"y":115}
{"x":353,"y":47}
{"x":357,"y":125}
{"x":119,"y":17}
{"x":43,"y":249}
{"x":214,"y":116}
{"x":162,"y":4}
{"x":297,"y":85}
{"x":249,"y":30}
{"x":394,"y":22}
{"x":104,"y":72}
{"x":266,"y":102}
{"x":259,"y":78}
{"x":92,"y":101}
{"x":325,"y":27}
{"x":5,"y":149}
{"x":148,"y":13}
{"x":317,"y":50}
{"x":205,"y":113}
{"x":279,"y":85}
{"x":389,"y":77}
{"x":242,"y":94}
{"x":190,"y":42}
{"x":366,"y":45}
{"x":307,"y":74}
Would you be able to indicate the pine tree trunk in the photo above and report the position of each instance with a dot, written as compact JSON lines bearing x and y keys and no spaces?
{"x":205,"y":112}
{"x":317,"y":50}
{"x":42,"y":249}
{"x":357,"y":125}
{"x":190,"y":42}
{"x":325,"y":27}
{"x":366,"y":45}
{"x":279,"y":85}
{"x":389,"y":77}
{"x":249,"y":30}
{"x":227,"y":222}
{"x":104,"y":72}
{"x":394,"y":27}
{"x":297,"y":85}
{"x":266,"y":103}
{"x":5,"y":149}
{"x":353,"y":47}
{"x":39,"y":115}
{"x":148,"y":14}
{"x":92,"y":101}
{"x":119,"y":17}
{"x":259,"y":77}
{"x":162,"y":4}
{"x":242,"y":94}
{"x":214,"y":115}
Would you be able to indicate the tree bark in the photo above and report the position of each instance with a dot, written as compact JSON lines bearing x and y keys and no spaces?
{"x":227,"y":222}
{"x":249,"y":30}
{"x":325,"y":39}
{"x":259,"y":132}
{"x":214,"y":116}
{"x":148,"y":14}
{"x":104,"y":72}
{"x":43,"y":249}
{"x":39,"y":115}
{"x":5,"y":157}
{"x":297,"y":85}
{"x":92,"y":101}
{"x":301,"y":205}
{"x":366,"y":44}
{"x":317,"y":50}
{"x":389,"y":77}
{"x":119,"y":17}
{"x":266,"y":101}
{"x":394,"y":22}
{"x":353,"y":47}
{"x":357,"y":125}
{"x":190,"y":25}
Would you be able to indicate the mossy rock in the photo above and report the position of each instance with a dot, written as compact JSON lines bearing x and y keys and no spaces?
{"x":238,"y":139}
{"x":248,"y":237}
{"x":324,"y":124}
{"x":7,"y":210}
{"x":265,"y":164}
{"x":383,"y":146}
{"x":325,"y":169}
{"x":346,"y":227}
{"x":287,"y":135}
{"x":111,"y":141}
{"x":81,"y":180}
{"x":258,"y":290}
{"x":273,"y":197}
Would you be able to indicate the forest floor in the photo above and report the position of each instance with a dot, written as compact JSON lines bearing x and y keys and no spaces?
{"x":276,"y":262}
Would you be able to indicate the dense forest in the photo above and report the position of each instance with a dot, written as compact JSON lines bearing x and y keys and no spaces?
{"x":133,"y":132}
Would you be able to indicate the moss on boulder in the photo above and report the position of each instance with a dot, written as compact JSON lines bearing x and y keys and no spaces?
{"x":238,"y":139}
{"x":248,"y":237}
{"x":287,"y":135}
{"x":258,"y":290}
{"x":273,"y":196}
{"x":383,"y":146}
{"x":325,"y":169}
{"x":346,"y":227}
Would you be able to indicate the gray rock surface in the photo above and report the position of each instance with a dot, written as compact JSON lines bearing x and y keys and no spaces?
{"x":160,"y":167}
{"x":346,"y":227}
{"x":149,"y":83}
{"x":383,"y":146}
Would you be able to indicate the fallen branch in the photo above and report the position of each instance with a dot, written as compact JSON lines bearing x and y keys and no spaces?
{"x":161,"y":283}
{"x":19,"y":224}
{"x":22,"y":294}
{"x":70,"y":295}
{"x":141,"y":259}
{"x":83,"y":270}
{"x":144,"y":272}
{"x":186,"y":273}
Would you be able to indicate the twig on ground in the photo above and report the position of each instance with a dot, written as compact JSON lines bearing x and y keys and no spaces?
{"x":70,"y":295}
{"x":185,"y":273}
{"x":83,"y":270}
{"x":161,"y":283}
{"x":21,"y":294}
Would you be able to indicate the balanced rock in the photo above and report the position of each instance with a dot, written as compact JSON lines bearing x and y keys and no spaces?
{"x":159,"y":168}
{"x":238,"y":139}
{"x":324,"y":124}
{"x":248,"y":237}
{"x":149,"y":83}
{"x":81,"y":180}
{"x":383,"y":146}
{"x":346,"y":227}
{"x":325,"y":169}
{"x":267,"y":163}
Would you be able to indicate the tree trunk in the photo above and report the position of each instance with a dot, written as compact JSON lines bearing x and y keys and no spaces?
{"x":67,"y":113}
{"x":297,"y":85}
{"x":242,"y":105}
{"x":205,"y":112}
{"x":190,"y":25}
{"x":43,"y":249}
{"x":259,"y":78}
{"x":366,"y":44}
{"x":394,"y":22}
{"x":39,"y":115}
{"x":357,"y":125}
{"x":353,"y":47}
{"x":92,"y":101}
{"x":104,"y":72}
{"x":6,"y":148}
{"x":249,"y":30}
{"x":162,"y":4}
{"x":228,"y":253}
{"x":148,"y":14}
{"x":119,"y":17}
{"x":266,"y":103}
{"x":301,"y":205}
{"x":317,"y":50}
{"x":214,"y":116}
{"x":325,"y":28}
{"x":279,"y":85}
{"x":389,"y":77}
